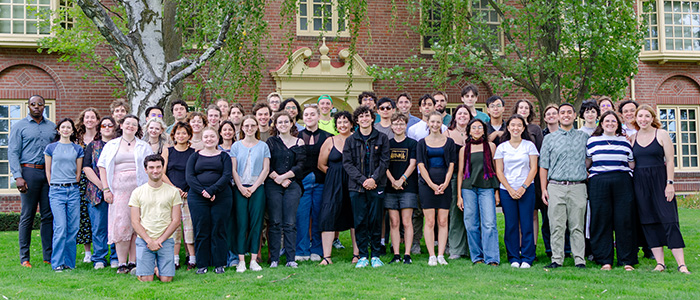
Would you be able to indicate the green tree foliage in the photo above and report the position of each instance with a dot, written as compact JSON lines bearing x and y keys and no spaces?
{"x":556,"y":50}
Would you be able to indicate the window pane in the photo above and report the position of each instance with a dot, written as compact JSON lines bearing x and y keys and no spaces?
{"x":3,"y":153}
{"x":671,"y":114}
{"x":4,"y":125}
{"x":4,"y":111}
{"x":4,"y":168}
{"x":18,"y":27}
{"x":15,"y":111}
{"x":303,"y":24}
{"x":4,"y":181}
{"x":302,"y":10}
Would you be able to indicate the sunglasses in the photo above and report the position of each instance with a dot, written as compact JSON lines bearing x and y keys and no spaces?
{"x":385,"y":108}
{"x":106,"y":125}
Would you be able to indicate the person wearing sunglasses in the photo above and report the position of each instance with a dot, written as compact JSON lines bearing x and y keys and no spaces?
{"x":386,"y":108}
{"x":154,"y":112}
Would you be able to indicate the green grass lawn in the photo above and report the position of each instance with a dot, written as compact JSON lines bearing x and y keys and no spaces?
{"x":341,"y":280}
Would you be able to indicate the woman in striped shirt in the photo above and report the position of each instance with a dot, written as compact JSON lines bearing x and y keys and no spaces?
{"x":610,"y":163}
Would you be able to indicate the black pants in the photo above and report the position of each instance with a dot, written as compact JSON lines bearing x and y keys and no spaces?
{"x":367,"y":210}
{"x":613,"y":209}
{"x":209,"y":222}
{"x":37,"y":194}
{"x":282,"y":204}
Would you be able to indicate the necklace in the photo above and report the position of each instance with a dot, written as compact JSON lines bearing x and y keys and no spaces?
{"x":129,"y":143}
{"x":462,"y":132}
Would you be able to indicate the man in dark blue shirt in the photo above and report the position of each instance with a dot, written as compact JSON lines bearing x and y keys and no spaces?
{"x":28,"y":139}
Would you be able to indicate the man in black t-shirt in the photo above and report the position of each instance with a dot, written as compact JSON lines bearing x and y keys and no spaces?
{"x":402,"y":186}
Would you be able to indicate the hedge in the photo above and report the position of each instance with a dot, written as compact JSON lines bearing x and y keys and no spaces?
{"x":10,"y":221}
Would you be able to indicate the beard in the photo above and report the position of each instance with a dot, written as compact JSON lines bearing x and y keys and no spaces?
{"x":440,"y":110}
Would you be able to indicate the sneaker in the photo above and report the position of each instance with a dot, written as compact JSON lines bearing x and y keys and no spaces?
{"x":88,"y":257}
{"x":292,"y":264}
{"x":302,"y":258}
{"x":441,"y":260}
{"x":240,"y":268}
{"x":99,"y":265}
{"x":590,"y":257}
{"x":123,"y":269}
{"x":220,"y":270}
{"x":581,"y":266}
{"x":26,"y":264}
{"x":432,"y":261}
{"x":407,"y":260}
{"x":315,"y":257}
{"x":376,"y":262}
{"x":455,"y":256}
{"x":337,"y":244}
{"x":114,"y":264}
{"x":415,"y":248}
{"x":202,"y":271}
{"x":553,"y":265}
{"x":515,"y":264}
{"x":363,"y":262}
{"x":131,"y":266}
{"x":525,"y":265}
{"x":59,"y":269}
{"x":274,"y":264}
{"x":396,"y":259}
{"x":190,"y":266}
{"x":254,"y":266}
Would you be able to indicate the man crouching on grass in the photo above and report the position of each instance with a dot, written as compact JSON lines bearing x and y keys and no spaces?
{"x":155,"y":215}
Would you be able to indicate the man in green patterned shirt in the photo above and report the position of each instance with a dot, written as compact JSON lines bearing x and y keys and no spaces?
{"x":563,"y":174}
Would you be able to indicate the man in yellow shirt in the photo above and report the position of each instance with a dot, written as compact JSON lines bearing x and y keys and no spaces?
{"x":155,"y":215}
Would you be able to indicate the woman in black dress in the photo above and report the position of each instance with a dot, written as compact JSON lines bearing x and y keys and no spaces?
{"x":436,"y":159}
{"x":653,"y":187}
{"x":336,"y":211}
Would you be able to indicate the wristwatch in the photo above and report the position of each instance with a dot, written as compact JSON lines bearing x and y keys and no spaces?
{"x":669,"y":181}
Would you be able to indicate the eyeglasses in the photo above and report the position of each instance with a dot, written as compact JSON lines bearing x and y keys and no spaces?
{"x":106,"y":125}
{"x":477,"y":127}
{"x":291,"y":108}
{"x":310,"y":105}
{"x":385,"y":108}
{"x":495,"y":106}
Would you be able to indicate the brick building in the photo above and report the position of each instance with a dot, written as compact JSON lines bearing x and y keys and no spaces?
{"x":668,"y":78}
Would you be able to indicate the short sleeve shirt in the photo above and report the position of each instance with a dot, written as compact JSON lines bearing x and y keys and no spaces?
{"x":400,"y":157}
{"x":64,"y":161}
{"x":516,"y":161}
{"x":156,"y":206}
{"x":563,"y":154}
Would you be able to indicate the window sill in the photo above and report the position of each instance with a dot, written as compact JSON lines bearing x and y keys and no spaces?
{"x":674,"y":56}
{"x":22,"y":42}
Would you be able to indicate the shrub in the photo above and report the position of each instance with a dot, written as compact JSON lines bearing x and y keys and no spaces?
{"x":10,"y":221}
{"x":689,"y":201}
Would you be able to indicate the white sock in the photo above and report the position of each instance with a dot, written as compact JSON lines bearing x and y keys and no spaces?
{"x":88,"y":253}
{"x":193,"y":259}
{"x":177,"y":258}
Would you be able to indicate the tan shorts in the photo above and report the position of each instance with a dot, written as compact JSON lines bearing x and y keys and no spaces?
{"x":186,"y":226}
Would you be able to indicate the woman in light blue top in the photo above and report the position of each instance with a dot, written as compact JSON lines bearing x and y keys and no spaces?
{"x":251,"y":163}
{"x":62,"y":172}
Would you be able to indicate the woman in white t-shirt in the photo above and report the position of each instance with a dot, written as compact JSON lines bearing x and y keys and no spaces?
{"x":516,"y":166}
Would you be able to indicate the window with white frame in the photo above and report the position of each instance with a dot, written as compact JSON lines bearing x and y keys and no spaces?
{"x":321,"y":17}
{"x":671,"y":30}
{"x":481,"y":10}
{"x":12,"y":111}
{"x":681,"y":122}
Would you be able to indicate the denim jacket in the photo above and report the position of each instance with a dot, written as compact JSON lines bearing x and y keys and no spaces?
{"x":354,"y":156}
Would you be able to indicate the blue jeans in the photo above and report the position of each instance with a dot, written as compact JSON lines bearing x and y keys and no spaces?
{"x":65,"y":207}
{"x":518,"y":214}
{"x":308,"y":210}
{"x":98,"y":218}
{"x":163,"y":258}
{"x":480,"y":222}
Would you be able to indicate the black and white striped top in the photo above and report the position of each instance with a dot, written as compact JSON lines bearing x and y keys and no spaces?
{"x":609,"y":154}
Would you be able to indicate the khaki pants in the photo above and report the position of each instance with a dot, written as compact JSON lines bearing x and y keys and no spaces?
{"x":567,"y":205}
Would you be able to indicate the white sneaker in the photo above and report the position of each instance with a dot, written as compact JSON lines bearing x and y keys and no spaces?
{"x":432,"y":261}
{"x":525,"y":265}
{"x":274,"y":264}
{"x":241,"y":267}
{"x":441,"y":260}
{"x":99,"y":265}
{"x":301,"y":258}
{"x":88,"y":257}
{"x":114,"y":264}
{"x":515,"y":264}
{"x":455,"y":256}
{"x":315,"y":257}
{"x":254,"y":266}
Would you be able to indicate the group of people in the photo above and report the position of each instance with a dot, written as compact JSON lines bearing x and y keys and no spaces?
{"x":223,"y":180}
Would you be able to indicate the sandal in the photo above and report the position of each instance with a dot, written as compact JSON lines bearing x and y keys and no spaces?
{"x":606,"y":267}
{"x":686,"y":269}
{"x":629,"y":268}
{"x":663,"y":267}
{"x":326,"y":261}
{"x":355,"y":258}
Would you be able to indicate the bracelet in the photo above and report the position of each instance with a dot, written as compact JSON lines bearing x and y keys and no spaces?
{"x":105,"y":189}
{"x":404,"y":177}
{"x":524,"y":186}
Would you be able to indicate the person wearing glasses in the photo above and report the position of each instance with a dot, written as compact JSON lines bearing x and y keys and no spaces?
{"x":154,"y":112}
{"x":291,"y":106}
{"x":385,"y":108}
{"x":28,"y":139}
{"x":274,"y":100}
{"x":605,"y":104}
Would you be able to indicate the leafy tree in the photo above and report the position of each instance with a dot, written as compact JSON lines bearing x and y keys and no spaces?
{"x":553,"y":49}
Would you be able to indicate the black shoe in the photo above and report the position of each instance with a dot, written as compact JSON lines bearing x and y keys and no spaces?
{"x":219,"y":270}
{"x":407,"y":260}
{"x":131,"y":266}
{"x":553,"y":265}
{"x":581,"y":266}
{"x":202,"y":271}
{"x":123,"y":269}
{"x":177,"y":266}
{"x":397,"y":258}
